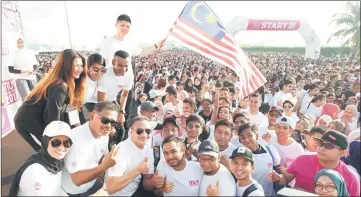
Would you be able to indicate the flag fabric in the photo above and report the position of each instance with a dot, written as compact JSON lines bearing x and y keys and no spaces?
{"x":199,"y":29}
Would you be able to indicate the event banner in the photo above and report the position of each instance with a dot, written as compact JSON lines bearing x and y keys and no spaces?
{"x":273,"y":25}
{"x":10,"y":99}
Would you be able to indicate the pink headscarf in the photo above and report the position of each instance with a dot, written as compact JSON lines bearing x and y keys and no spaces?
{"x":329,"y":109}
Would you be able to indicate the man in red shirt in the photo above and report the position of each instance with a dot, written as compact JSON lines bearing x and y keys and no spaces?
{"x":331,"y":147}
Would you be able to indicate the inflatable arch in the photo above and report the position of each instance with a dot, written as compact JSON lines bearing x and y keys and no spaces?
{"x":313,"y":43}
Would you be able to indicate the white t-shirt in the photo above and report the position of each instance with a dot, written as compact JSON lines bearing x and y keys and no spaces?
{"x":227,"y":184}
{"x":264,"y":164}
{"x":84,"y":154}
{"x":24,"y":59}
{"x":169,"y":106}
{"x":259,"y":119}
{"x":281,"y":96}
{"x":258,"y":192}
{"x":294,"y":119}
{"x":91,"y":91}
{"x":129,"y":156}
{"x":186,"y":182}
{"x":305,"y":102}
{"x":263,"y":130}
{"x":269,"y":99}
{"x":112,"y":84}
{"x":228,"y":151}
{"x":315,"y":111}
{"x":235,"y":142}
{"x":112,"y":45}
{"x":37,"y":181}
{"x":288,"y":154}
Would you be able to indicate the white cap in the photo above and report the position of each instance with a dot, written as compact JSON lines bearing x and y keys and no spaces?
{"x":57,"y":128}
{"x":285,"y":120}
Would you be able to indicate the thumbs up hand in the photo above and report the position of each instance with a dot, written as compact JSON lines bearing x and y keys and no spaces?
{"x":168,"y":186}
{"x":158,"y":181}
{"x":143,"y":166}
{"x":213,"y":190}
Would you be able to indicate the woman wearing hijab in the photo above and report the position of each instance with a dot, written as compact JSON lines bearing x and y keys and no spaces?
{"x":349,"y":118}
{"x":324,"y":121}
{"x":353,"y":159}
{"x":40,"y":175}
{"x":331,"y":110}
{"x":188,"y":85}
{"x":329,"y":183}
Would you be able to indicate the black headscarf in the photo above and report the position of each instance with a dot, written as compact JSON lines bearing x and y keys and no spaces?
{"x":43,"y":158}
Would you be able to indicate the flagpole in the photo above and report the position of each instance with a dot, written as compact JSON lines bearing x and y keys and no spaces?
{"x":67,"y":21}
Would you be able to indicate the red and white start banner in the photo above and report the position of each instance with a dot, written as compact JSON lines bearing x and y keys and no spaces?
{"x":273,"y":25}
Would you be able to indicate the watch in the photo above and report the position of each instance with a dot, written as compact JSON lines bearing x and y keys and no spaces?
{"x":121,"y":111}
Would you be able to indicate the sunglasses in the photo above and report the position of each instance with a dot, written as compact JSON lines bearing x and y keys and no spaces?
{"x":102,"y":71}
{"x":105,"y":120}
{"x":140,"y":131}
{"x":327,"y":146}
{"x":56,"y":143}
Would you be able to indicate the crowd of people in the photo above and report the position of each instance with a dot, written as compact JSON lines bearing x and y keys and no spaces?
{"x":108,"y":121}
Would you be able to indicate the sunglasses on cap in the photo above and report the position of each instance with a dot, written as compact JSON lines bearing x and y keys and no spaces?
{"x":139,"y":131}
{"x":326,"y":145}
{"x":56,"y":143}
{"x":105,"y":120}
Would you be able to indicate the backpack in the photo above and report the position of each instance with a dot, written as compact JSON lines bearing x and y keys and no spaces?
{"x":250,"y":189}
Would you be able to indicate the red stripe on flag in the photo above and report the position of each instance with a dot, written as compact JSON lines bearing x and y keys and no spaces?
{"x":207,"y":44}
{"x":184,"y":40}
{"x":207,"y":36}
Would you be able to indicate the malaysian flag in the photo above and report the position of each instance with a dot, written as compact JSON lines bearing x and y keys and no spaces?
{"x":199,"y":29}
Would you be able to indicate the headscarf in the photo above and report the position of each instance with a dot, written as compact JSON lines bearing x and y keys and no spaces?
{"x":353,"y":159}
{"x":336,"y":178}
{"x":325,"y":118}
{"x":43,"y":158}
{"x":329,"y":109}
{"x":187,"y":87}
{"x":353,"y":108}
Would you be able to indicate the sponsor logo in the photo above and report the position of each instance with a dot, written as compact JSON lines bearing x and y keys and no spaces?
{"x":194,"y":183}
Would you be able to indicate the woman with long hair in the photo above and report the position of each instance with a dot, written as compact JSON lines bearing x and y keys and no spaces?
{"x":41,"y":174}
{"x":48,"y":101}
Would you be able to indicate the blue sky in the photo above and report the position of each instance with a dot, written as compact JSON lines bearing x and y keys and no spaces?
{"x":45,"y":22}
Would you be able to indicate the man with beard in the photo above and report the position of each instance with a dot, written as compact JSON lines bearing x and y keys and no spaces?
{"x":182,"y":177}
{"x":83,"y":163}
{"x":214,"y":172}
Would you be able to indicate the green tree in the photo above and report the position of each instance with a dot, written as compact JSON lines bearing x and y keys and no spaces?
{"x":348,"y":25}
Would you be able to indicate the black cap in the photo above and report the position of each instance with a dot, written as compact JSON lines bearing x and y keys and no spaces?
{"x":171,"y":90}
{"x":208,"y":147}
{"x":336,"y":138}
{"x":170,"y":120}
{"x":243,"y":152}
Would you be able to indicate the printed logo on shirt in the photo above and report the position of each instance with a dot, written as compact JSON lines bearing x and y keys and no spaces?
{"x":194,"y":183}
{"x":37,"y":186}
{"x":269,"y":164}
{"x":73,"y":164}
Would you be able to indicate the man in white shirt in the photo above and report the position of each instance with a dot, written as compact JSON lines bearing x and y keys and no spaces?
{"x":256,"y":117}
{"x":174,"y":105}
{"x":23,"y":69}
{"x":88,"y":158}
{"x":134,"y":163}
{"x":216,"y":180}
{"x":118,"y":42}
{"x":242,"y":167}
{"x":268,"y":133}
{"x":223,"y":135}
{"x":283,"y":95}
{"x":182,"y":177}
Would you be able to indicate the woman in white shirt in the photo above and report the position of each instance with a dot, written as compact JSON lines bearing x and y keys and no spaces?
{"x":40,"y":175}
{"x":307,"y":98}
{"x":288,"y":107}
{"x":316,"y":105}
